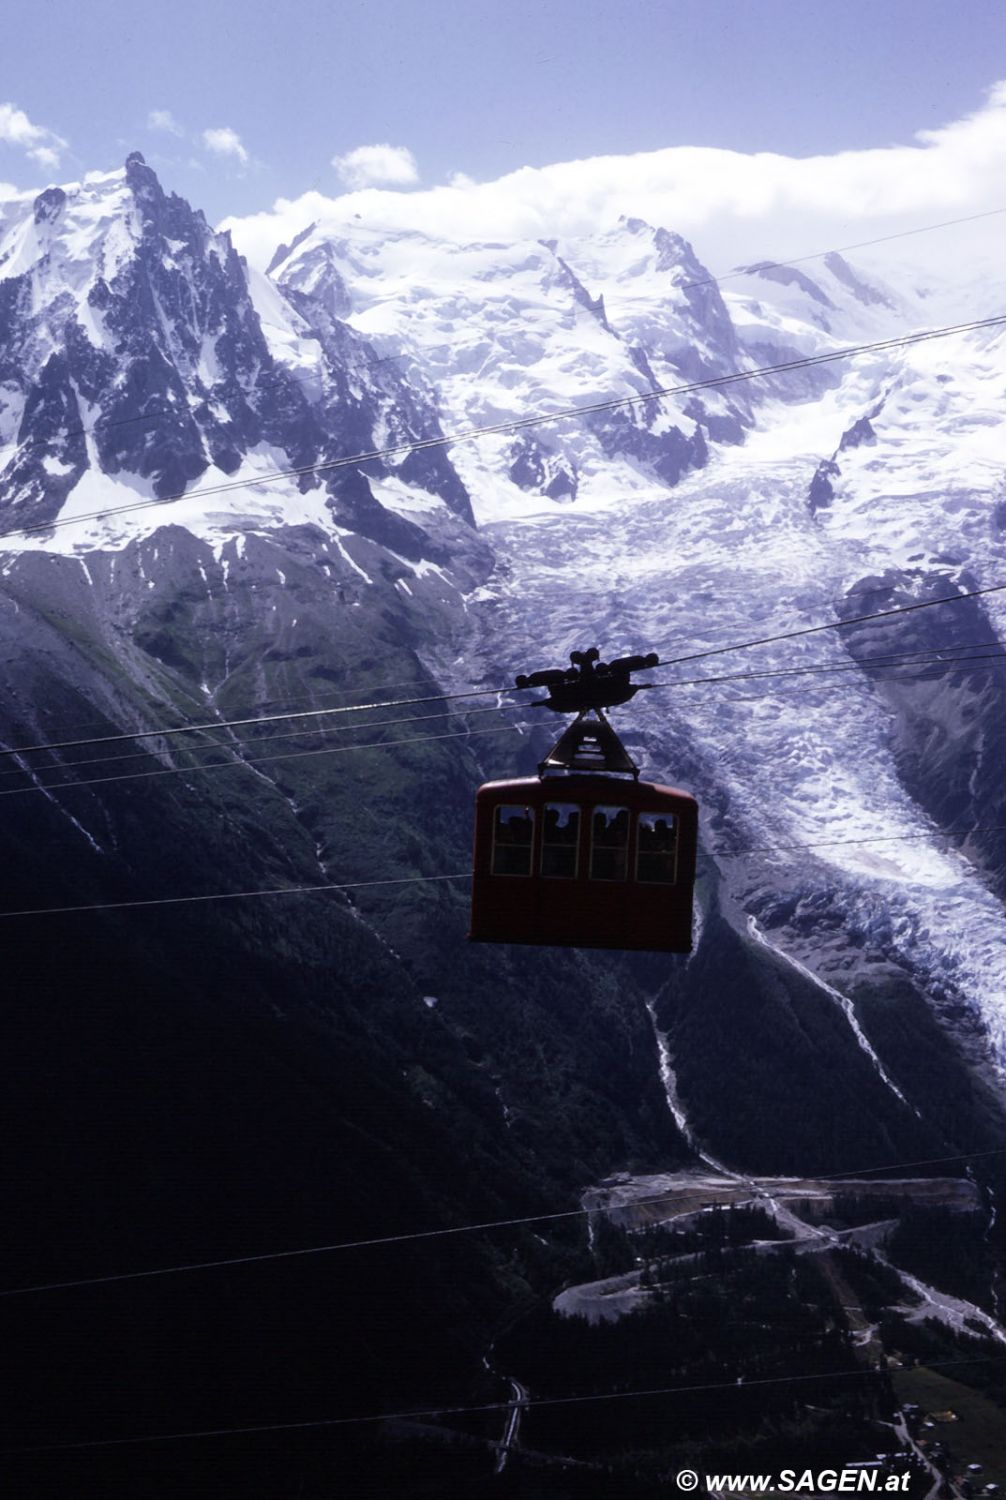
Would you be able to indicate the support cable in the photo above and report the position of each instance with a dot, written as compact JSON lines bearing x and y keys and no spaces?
{"x":491,"y":691}
{"x":517,"y":424}
{"x":411,"y":1236}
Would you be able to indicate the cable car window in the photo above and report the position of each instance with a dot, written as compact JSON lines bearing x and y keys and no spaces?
{"x":609,"y":845}
{"x":657,"y":848}
{"x":513,"y":835}
{"x":560,"y":840}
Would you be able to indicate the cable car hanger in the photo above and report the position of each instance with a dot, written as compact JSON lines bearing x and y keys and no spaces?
{"x":585,"y":854}
{"x":587,"y":688}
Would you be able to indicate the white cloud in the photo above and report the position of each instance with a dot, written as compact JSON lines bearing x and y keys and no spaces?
{"x":377,"y":166}
{"x":46,"y":156}
{"x":163,"y":119}
{"x":40,"y":144}
{"x":735,"y":206}
{"x":225,"y":142}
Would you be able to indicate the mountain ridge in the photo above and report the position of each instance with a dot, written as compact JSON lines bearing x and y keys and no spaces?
{"x":208,"y":1081}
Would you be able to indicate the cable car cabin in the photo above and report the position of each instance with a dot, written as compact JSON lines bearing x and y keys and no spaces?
{"x":584,"y":861}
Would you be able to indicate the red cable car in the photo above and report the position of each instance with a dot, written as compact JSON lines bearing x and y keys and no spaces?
{"x":585,"y":855}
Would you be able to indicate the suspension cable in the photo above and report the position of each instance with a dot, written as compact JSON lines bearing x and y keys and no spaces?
{"x":517,"y":424}
{"x":790,"y":635}
{"x":493,"y":691}
{"x":411,"y":1236}
{"x":256,"y":741}
{"x":250,"y":760}
{"x":738,"y":1383}
{"x":305,"y":713}
{"x":960,"y":663}
{"x":921,"y":658}
{"x":284,"y":374}
{"x":299,"y":890}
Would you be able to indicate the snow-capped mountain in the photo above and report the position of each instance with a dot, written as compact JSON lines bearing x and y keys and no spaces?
{"x":743,"y":512}
{"x":220,"y":1077}
{"x":143,"y":357}
{"x":136,"y":362}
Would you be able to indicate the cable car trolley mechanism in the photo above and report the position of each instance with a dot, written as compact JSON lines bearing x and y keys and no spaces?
{"x":585,"y":855}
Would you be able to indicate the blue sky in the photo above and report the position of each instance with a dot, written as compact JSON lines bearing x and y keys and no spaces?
{"x":476,"y":88}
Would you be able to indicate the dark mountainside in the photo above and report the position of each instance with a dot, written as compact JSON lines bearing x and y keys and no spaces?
{"x":234,"y":1078}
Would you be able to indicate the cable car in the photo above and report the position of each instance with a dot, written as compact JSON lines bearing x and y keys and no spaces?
{"x":585,"y":855}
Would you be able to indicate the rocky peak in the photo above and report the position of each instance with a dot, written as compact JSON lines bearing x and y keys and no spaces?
{"x":135,"y":351}
{"x":316,"y":275}
{"x":862,"y":290}
{"x":283,"y":251}
{"x":789,"y":276}
{"x":49,"y":204}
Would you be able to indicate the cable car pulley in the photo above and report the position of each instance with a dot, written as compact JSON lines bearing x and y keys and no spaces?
{"x":587,"y":688}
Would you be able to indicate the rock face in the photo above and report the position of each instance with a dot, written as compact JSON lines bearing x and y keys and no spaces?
{"x":133,"y":350}
{"x":497,"y":328}
{"x":142,"y":355}
{"x":273,"y":1064}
